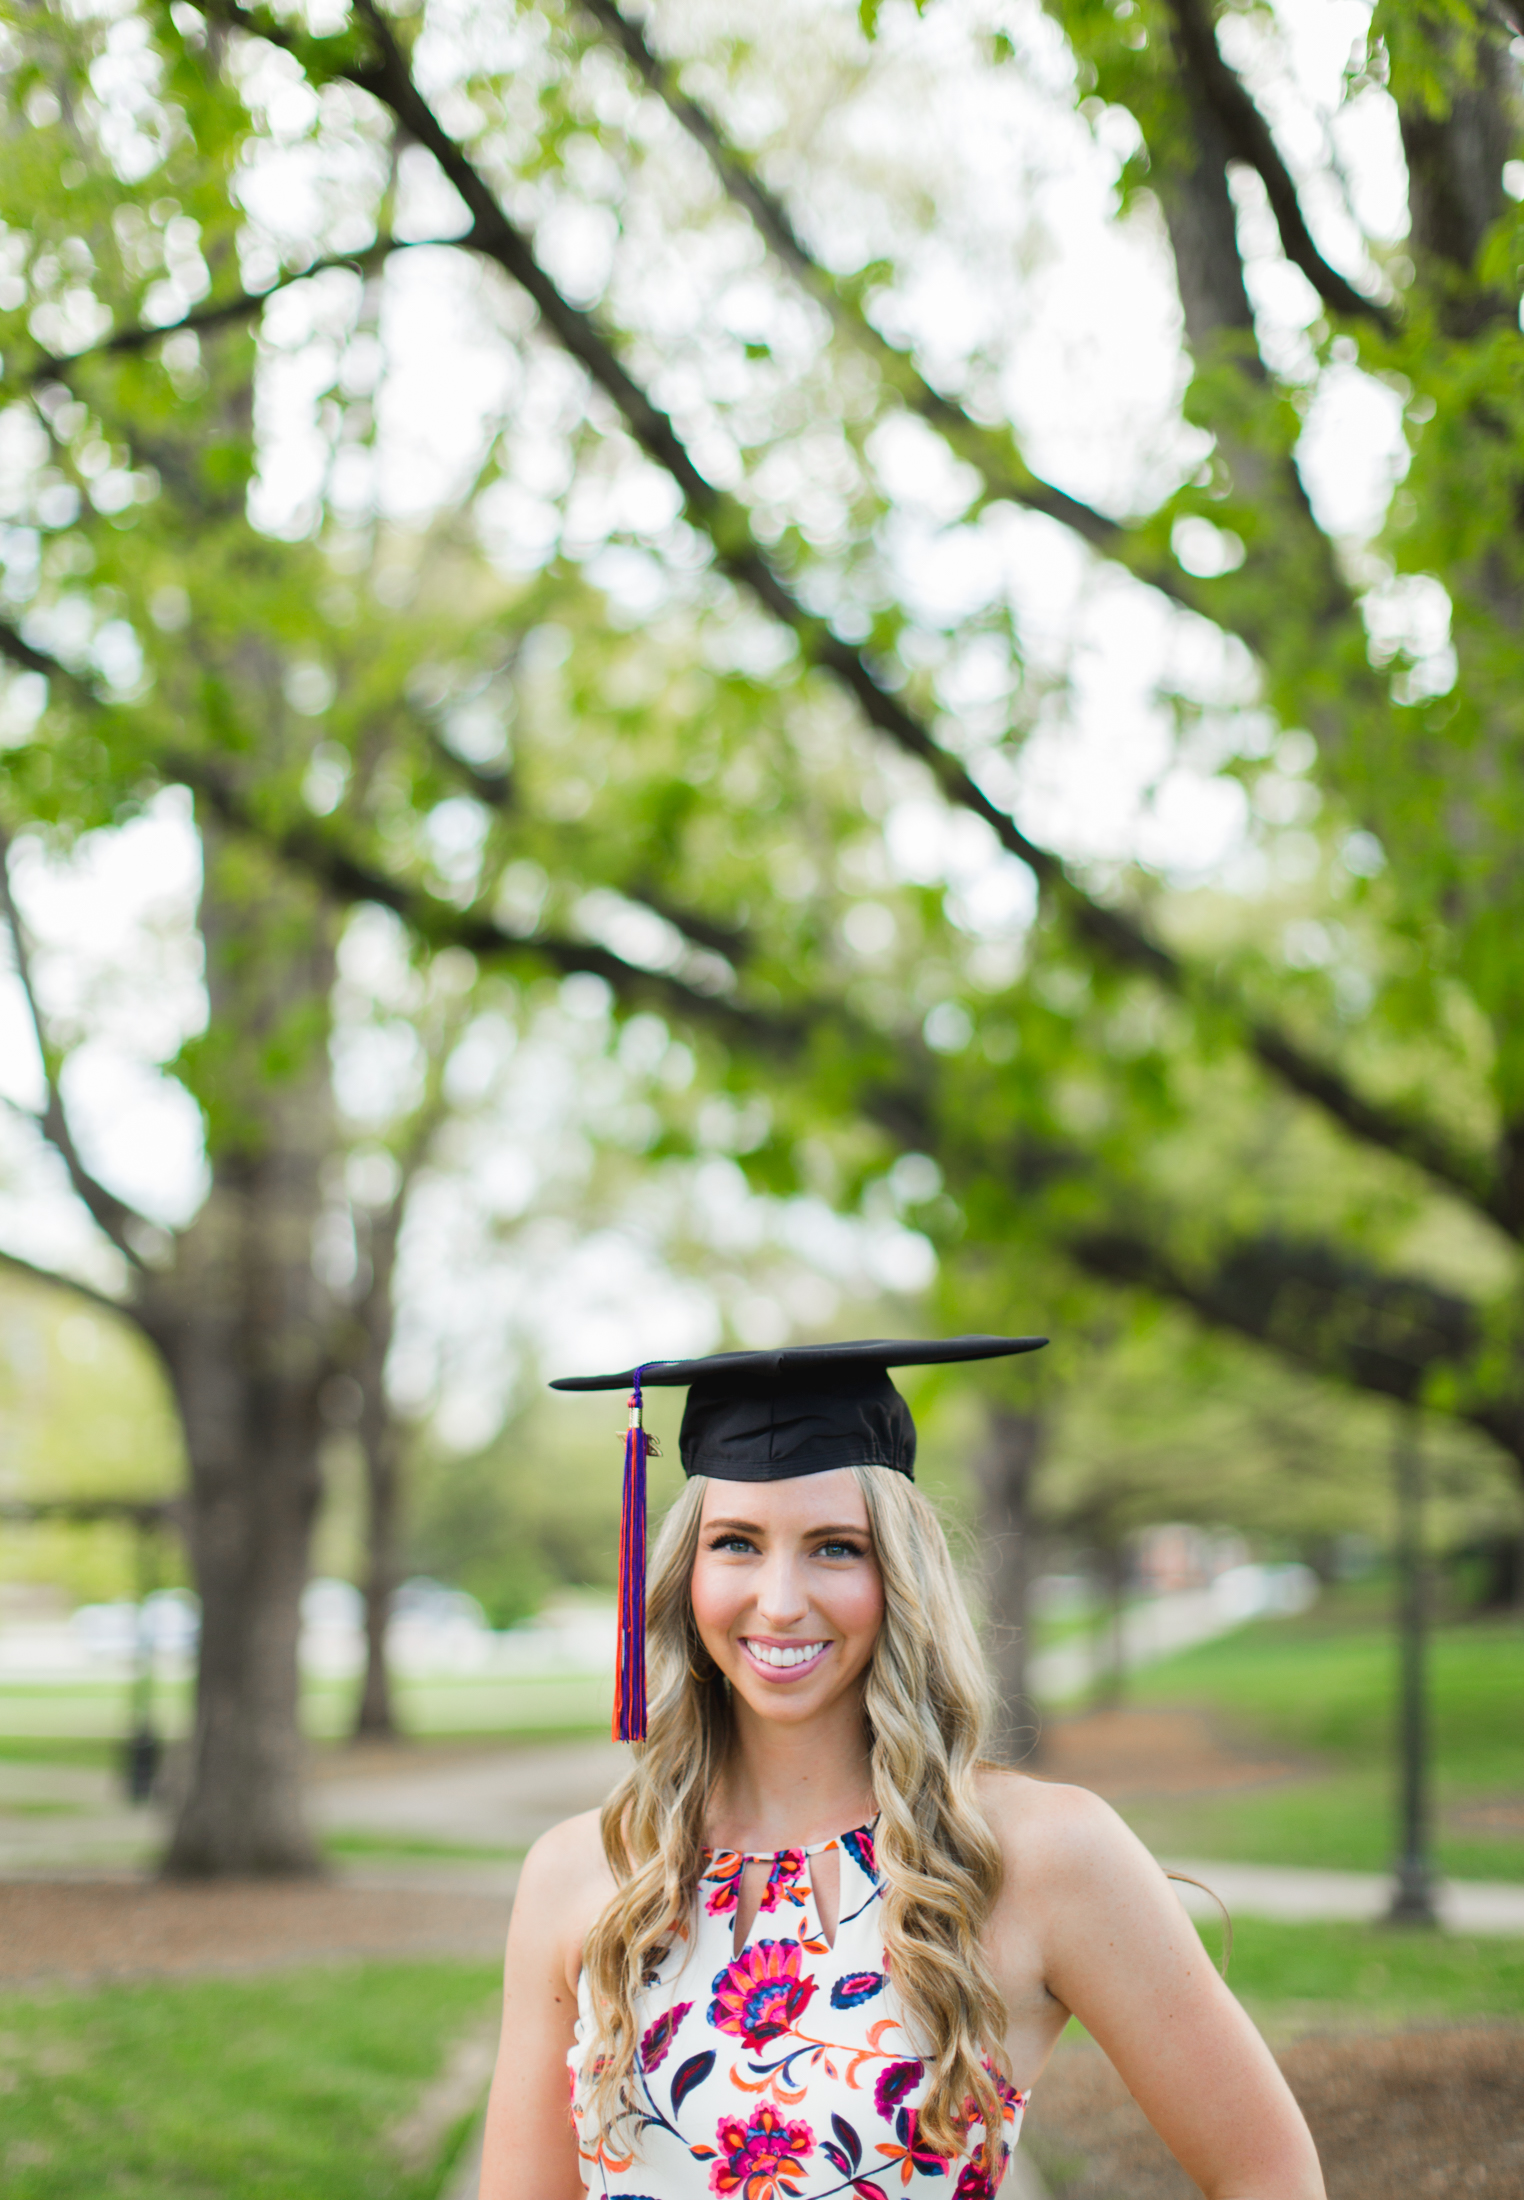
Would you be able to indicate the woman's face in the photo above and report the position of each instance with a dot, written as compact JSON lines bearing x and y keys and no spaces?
{"x":786,"y":1590}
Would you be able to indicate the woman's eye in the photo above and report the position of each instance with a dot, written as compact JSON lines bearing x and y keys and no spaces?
{"x":730,"y":1543}
{"x":840,"y":1550}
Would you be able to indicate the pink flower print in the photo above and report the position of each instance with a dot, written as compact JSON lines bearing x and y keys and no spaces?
{"x":761,"y":2159}
{"x":761,"y":1995}
{"x":787,"y":1881}
{"x":723,"y":1879}
{"x":1010,"y":2098}
{"x":976,"y":2183}
{"x":893,"y":2084}
{"x":859,"y":1846}
{"x":658,"y":2037}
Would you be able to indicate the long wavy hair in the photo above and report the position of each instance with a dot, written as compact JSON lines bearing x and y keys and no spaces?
{"x":926,"y":1704}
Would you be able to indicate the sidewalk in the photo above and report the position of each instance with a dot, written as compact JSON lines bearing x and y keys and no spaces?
{"x":1285,"y":1891}
{"x":1156,"y":1627}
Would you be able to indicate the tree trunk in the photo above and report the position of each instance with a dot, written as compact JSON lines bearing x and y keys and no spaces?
{"x":380,"y":1435}
{"x":1005,"y":1469}
{"x":247,"y":1333}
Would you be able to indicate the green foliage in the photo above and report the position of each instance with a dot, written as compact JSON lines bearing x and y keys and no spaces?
{"x":84,"y":1413}
{"x":556,"y":763}
{"x":535,"y":1512}
{"x":284,"y":2084}
{"x":1163,"y":1423}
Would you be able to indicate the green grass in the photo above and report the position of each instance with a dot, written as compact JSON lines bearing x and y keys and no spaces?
{"x":57,"y":1749}
{"x":275,"y":2088}
{"x":1333,"y":1821}
{"x":1320,"y":1691}
{"x":88,"y":1715}
{"x":1320,"y":1683}
{"x":1370,"y":1978}
{"x":372,"y":1845}
{"x":1378,"y":1976}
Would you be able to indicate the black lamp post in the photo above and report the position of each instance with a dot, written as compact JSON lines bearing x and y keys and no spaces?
{"x":142,"y":1749}
{"x":1413,"y":1895}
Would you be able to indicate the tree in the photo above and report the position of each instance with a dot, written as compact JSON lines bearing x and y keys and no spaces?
{"x":1392,"y":1330}
{"x":1147,"y":1082}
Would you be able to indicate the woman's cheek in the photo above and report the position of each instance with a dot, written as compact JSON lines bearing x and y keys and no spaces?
{"x":716,"y":1602}
{"x":860,"y":1611}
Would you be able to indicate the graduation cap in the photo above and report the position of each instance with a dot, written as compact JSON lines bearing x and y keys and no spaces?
{"x":764,"y":1417}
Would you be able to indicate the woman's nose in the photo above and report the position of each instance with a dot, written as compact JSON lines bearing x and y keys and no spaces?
{"x":781,"y":1598}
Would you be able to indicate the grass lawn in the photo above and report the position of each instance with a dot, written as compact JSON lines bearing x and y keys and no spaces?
{"x":373,"y":1845}
{"x":274,"y":2088}
{"x":1321,"y":1689}
{"x":1375,"y":1976}
{"x":40,"y":1719}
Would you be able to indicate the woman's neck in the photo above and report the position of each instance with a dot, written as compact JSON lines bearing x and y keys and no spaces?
{"x":790,"y":1786}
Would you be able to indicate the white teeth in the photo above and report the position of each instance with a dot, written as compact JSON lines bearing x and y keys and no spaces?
{"x":781,"y":1654}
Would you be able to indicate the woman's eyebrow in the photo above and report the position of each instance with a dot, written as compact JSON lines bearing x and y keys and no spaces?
{"x":750,"y":1527}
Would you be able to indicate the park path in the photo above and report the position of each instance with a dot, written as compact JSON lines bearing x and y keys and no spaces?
{"x":1487,"y":1906}
{"x":1151,"y":1629}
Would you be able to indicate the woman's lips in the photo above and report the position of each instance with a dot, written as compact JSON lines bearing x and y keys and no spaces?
{"x":781,"y":1661}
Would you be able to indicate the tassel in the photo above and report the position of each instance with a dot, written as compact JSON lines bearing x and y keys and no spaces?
{"x":630,"y":1671}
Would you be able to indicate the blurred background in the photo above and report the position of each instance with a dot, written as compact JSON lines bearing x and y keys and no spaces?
{"x":722,"y":677}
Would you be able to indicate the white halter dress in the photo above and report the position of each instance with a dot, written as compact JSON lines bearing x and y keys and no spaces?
{"x":782,"y":2072}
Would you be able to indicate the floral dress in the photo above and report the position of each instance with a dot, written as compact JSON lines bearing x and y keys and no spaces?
{"x":782,"y":2072}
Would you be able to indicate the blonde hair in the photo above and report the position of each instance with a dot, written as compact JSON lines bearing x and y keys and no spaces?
{"x":926,"y":1702}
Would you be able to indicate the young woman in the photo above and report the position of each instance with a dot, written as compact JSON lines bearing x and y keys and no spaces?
{"x":814,"y":1944}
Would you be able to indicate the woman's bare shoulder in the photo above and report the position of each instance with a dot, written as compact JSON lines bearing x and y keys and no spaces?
{"x":1047,"y":1827}
{"x":566,"y":1879}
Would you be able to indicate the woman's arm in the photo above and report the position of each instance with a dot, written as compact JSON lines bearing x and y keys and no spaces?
{"x":1119,"y":1952}
{"x":530,"y":2152}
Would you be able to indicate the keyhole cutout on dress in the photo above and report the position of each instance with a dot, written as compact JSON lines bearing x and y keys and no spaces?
{"x":824,"y":1871}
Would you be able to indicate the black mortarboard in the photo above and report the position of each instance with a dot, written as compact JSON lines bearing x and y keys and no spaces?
{"x":765,"y":1417}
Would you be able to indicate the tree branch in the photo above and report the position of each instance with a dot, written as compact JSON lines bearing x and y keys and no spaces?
{"x":110,"y":1214}
{"x":1414,"y":1138}
{"x":999,"y":463}
{"x":243,"y":306}
{"x":993,"y":451}
{"x":496,"y":792}
{"x":1360,"y":1325}
{"x":1249,"y":140}
{"x":1113,"y":933}
{"x":55,"y":1281}
{"x":318,"y":850}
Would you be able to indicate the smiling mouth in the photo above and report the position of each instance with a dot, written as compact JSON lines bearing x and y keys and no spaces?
{"x":780,"y":1659}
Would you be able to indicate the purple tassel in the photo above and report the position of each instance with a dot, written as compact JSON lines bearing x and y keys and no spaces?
{"x":630,"y":1672}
